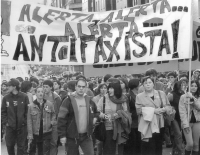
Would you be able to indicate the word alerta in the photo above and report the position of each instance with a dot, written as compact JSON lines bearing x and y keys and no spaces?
{"x":99,"y":30}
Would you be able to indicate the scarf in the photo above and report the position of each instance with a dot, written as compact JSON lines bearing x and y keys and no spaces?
{"x":115,"y":100}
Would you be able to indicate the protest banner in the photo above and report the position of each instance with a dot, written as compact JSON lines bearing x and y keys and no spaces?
{"x":159,"y":31}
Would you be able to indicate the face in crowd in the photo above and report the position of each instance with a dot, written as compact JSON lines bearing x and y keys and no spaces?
{"x":47,"y":89}
{"x":4,"y":87}
{"x":111,"y":91}
{"x":103,"y":90}
{"x":193,"y":87}
{"x":148,"y":84}
{"x":171,"y":79}
{"x":56,"y":86}
{"x":123,"y":86}
{"x":39,"y":93}
{"x":81,"y":87}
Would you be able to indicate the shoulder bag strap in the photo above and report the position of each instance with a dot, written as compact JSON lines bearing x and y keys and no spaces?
{"x":104,"y":100}
{"x":160,"y":99}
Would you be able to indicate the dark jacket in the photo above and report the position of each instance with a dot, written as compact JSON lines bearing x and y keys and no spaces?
{"x":8,"y":115}
{"x":34,"y":117}
{"x":68,"y":117}
{"x":132,"y":97}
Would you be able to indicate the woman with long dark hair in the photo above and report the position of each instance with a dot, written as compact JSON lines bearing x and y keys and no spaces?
{"x":115,"y":106}
{"x":191,"y":125}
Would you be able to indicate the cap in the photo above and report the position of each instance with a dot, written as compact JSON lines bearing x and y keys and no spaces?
{"x":13,"y":82}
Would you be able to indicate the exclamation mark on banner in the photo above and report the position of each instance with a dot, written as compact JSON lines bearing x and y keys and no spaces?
{"x":175,"y":30}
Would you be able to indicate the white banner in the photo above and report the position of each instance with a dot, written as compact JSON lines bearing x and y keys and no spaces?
{"x":39,"y":34}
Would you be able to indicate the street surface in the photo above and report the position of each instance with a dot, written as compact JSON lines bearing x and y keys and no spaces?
{"x":61,"y":151}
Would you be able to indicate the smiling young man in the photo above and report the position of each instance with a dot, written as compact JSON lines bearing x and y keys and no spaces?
{"x":75,"y":121}
{"x":54,"y":98}
{"x":14,"y":116}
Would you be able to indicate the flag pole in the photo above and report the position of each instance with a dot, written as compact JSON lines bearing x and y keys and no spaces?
{"x":189,"y":85}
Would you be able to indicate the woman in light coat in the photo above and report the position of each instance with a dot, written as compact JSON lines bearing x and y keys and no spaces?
{"x":150,"y":98}
{"x":191,"y":126}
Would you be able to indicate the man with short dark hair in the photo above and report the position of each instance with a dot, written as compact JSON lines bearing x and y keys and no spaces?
{"x":56,"y":100}
{"x":170,"y":85}
{"x":75,"y":121}
{"x":14,"y":116}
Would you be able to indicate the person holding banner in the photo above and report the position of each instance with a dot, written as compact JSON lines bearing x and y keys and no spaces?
{"x":151,"y":104}
{"x":41,"y":118}
{"x":191,"y":125}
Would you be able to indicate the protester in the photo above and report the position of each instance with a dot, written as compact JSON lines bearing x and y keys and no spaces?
{"x":4,"y":88}
{"x":14,"y":116}
{"x":20,"y":79}
{"x":124,"y":85}
{"x":170,"y":85}
{"x":133,"y":144}
{"x":52,"y":97}
{"x":115,"y":108}
{"x":71,"y":86}
{"x":102,"y":90}
{"x":34,"y":80}
{"x":57,"y":88}
{"x":191,"y":125}
{"x":26,"y":87}
{"x":195,"y":75}
{"x":174,"y":98}
{"x":76,"y":115}
{"x":40,"y":119}
{"x":149,"y":110}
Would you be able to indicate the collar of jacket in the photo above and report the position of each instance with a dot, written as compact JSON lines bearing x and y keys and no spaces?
{"x":36,"y":103}
{"x":155,"y":93}
{"x":74,"y":94}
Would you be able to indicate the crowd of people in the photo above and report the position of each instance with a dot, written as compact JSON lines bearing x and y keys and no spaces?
{"x":140,"y":114}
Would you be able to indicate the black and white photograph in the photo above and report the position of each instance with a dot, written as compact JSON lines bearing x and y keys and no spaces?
{"x":100,"y":77}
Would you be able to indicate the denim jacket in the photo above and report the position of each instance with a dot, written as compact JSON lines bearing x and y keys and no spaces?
{"x":34,"y":116}
{"x":183,"y":110}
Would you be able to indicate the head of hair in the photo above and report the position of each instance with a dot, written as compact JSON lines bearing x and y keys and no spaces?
{"x":117,"y":76}
{"x":4,"y":84}
{"x":71,"y":85}
{"x":99,"y":80}
{"x":26,"y":86}
{"x":150,"y":72}
{"x":100,"y":86}
{"x":133,"y":83}
{"x":197,"y":93}
{"x":38,"y":88}
{"x":91,"y":86}
{"x":171,"y":74}
{"x":183,"y":75}
{"x":34,"y":79}
{"x":106,"y":77}
{"x":177,"y":87}
{"x":117,"y":88}
{"x":125,"y":81}
{"x":144,"y":79}
{"x":48,"y":82}
{"x":20,"y":79}
{"x":161,"y":76}
{"x":58,"y":82}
